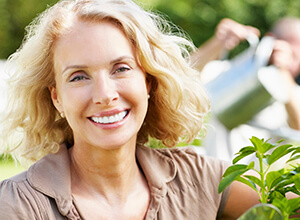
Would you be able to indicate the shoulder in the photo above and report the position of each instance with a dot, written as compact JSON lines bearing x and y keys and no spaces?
{"x":188,"y":162}
{"x":19,"y":200}
{"x":189,"y":156}
{"x":13,"y":185}
{"x":203,"y":174}
{"x":191,"y":177}
{"x":15,"y":198}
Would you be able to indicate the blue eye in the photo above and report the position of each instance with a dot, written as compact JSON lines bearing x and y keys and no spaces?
{"x":78,"y":78}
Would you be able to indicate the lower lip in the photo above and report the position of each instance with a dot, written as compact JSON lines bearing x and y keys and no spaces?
{"x":111,"y":125}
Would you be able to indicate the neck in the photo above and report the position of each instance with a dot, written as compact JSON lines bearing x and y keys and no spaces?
{"x":111,"y":174}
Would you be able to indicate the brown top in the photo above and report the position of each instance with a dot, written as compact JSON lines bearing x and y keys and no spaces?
{"x":183,"y":185}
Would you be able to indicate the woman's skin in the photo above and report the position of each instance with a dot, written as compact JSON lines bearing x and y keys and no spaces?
{"x":103,"y":80}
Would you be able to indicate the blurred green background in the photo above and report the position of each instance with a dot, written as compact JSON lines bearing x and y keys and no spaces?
{"x":198,"y":18}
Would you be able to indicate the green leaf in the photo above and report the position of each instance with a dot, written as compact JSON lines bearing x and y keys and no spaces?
{"x":257,"y":143}
{"x":297,"y":183}
{"x":293,"y":205}
{"x":247,"y":182}
{"x":292,"y":189}
{"x":265,"y":159}
{"x":296,"y":151}
{"x":286,"y":179}
{"x":275,"y":195}
{"x":281,"y":204}
{"x":230,"y":176}
{"x":293,"y":158}
{"x":283,"y":182}
{"x":243,"y":153}
{"x":251,"y":165}
{"x":255,"y":180}
{"x":280,"y":141}
{"x":268,"y":146}
{"x":234,"y":168}
{"x":279,"y":152}
{"x":271,"y":178}
{"x":260,"y":145}
{"x":247,"y":148}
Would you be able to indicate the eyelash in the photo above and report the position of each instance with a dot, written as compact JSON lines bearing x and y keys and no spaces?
{"x":122,"y":69}
{"x":78,"y":78}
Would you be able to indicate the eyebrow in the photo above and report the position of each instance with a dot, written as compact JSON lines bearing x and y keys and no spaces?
{"x":119,"y":59}
{"x":74,"y":67}
{"x":122,"y":58}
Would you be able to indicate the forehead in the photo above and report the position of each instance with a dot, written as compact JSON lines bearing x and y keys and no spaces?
{"x":80,"y":28}
{"x":92,"y":41}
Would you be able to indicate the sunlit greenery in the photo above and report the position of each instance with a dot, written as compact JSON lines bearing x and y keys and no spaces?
{"x":271,"y":186}
{"x":200,"y":17}
{"x":197,"y":17}
{"x":15,"y":15}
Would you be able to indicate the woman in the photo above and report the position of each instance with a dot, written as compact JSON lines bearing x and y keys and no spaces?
{"x":92,"y":81}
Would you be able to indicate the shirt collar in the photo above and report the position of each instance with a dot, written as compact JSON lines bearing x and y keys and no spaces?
{"x":51,"y":175}
{"x":157,"y":165}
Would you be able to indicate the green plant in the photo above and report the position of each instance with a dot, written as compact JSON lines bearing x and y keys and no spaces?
{"x":271,"y":185}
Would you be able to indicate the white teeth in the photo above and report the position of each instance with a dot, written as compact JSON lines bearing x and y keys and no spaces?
{"x":105,"y":120}
{"x":109,"y":119}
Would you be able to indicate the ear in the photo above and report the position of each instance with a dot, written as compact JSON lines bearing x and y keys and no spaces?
{"x":55,"y":99}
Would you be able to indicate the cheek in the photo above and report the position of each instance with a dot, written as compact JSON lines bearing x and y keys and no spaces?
{"x":74,"y":97}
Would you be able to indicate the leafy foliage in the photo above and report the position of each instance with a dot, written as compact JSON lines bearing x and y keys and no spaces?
{"x":15,"y":15}
{"x":271,"y":186}
{"x":198,"y":18}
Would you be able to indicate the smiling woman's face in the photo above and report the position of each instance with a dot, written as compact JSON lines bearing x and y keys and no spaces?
{"x":99,"y":85}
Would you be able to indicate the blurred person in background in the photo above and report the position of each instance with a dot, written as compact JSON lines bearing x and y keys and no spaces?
{"x":278,"y":116}
{"x":286,"y":56}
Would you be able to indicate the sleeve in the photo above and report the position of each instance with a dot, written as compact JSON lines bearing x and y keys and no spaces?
{"x":16,"y":201}
{"x":225,"y":193}
{"x":212,"y":169}
{"x":206,"y":173}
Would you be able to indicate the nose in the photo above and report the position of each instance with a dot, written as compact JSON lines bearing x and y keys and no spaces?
{"x":104,"y":91}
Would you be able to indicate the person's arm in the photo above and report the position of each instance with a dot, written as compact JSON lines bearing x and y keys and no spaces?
{"x":292,"y":106}
{"x":241,"y":198}
{"x":227,"y":36}
{"x":281,"y":58}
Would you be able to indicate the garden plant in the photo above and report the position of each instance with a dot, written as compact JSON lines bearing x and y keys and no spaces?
{"x":271,"y":185}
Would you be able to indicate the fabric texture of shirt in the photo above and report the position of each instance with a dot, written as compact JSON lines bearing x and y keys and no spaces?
{"x":183,"y":185}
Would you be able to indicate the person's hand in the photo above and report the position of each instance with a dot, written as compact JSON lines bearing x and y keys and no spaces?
{"x":230,"y":33}
{"x":282,"y":55}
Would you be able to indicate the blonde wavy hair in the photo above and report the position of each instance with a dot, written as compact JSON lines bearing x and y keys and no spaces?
{"x":178,"y":101}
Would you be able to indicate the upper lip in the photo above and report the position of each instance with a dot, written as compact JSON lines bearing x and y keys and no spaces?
{"x":108,"y":113}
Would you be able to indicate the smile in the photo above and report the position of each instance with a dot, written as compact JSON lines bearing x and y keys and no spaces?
{"x":109,"y":119}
